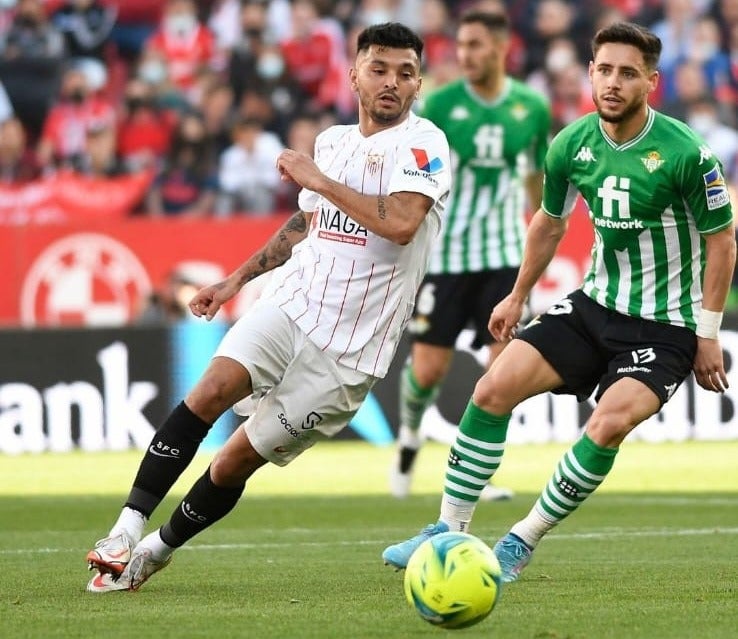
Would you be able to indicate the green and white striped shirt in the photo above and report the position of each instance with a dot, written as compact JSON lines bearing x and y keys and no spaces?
{"x":650,"y":199}
{"x":493,"y":147}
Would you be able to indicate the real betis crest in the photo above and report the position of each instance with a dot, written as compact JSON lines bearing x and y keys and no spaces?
{"x":519,"y":111}
{"x":652,"y":161}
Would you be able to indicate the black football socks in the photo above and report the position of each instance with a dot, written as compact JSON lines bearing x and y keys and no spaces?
{"x":201,"y":507}
{"x":170,"y":452}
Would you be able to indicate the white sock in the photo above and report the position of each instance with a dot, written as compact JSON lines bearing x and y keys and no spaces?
{"x":532,"y":528}
{"x":456,"y":514}
{"x":153,"y":542}
{"x":409,"y":438}
{"x":130,"y":521}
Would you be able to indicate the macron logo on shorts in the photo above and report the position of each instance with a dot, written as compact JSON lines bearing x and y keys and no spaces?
{"x":424,"y":164}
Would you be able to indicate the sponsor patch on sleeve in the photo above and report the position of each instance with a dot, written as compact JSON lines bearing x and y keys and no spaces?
{"x":424,"y":163}
{"x":716,"y":191}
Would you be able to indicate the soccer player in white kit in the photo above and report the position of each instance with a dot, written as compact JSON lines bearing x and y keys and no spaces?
{"x":327,"y":326}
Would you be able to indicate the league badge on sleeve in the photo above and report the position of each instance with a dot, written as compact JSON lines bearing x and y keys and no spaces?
{"x":716,"y":191}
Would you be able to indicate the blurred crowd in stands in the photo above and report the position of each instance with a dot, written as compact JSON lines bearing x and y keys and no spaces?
{"x":204,"y":94}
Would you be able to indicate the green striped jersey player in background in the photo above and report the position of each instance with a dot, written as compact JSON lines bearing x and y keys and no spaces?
{"x":647,"y":314}
{"x":497,"y":149}
{"x":498,"y":132}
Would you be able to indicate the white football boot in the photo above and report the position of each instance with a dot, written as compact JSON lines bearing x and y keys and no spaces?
{"x":141,"y":566}
{"x":105,"y":582}
{"x":111,"y":554}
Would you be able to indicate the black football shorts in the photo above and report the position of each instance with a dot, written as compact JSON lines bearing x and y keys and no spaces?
{"x":446,"y":304}
{"x":589,"y":346}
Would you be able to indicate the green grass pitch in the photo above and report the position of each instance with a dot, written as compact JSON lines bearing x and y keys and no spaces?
{"x":654,"y":554}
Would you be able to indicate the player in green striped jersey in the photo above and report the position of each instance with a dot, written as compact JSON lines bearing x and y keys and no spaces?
{"x":649,"y":309}
{"x":498,"y":132}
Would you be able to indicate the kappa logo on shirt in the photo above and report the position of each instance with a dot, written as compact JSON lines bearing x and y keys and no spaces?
{"x":585,"y":155}
{"x":705,"y":154}
{"x":459,"y":113}
{"x":425,"y":164}
{"x":716,"y":191}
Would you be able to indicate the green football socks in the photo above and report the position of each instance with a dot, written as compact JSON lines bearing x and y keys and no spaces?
{"x":473,"y":460}
{"x":414,"y":399}
{"x":578,"y":474}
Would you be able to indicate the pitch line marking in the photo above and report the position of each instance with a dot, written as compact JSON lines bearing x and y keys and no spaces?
{"x":602,"y":534}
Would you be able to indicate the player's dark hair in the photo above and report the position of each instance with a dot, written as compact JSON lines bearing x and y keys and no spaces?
{"x":493,"y":22}
{"x":647,"y":42}
{"x":390,"y":34}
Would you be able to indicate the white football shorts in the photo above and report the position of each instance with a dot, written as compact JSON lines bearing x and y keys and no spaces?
{"x":301,"y":395}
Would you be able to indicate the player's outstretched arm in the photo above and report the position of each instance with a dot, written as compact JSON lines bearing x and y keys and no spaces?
{"x":543,"y":237}
{"x":207,"y":301}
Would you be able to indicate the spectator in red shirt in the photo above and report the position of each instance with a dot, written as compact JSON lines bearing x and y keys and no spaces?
{"x":316,"y":58}
{"x":185,"y":43}
{"x":145,"y":129}
{"x":437,"y":31}
{"x":570,"y":94}
{"x":66,"y":125}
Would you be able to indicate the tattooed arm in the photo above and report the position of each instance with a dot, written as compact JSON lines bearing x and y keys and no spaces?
{"x":394,"y":217}
{"x":274,"y":253}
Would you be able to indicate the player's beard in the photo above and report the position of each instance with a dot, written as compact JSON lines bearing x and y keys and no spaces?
{"x":627,"y":113}
{"x":481,"y":76}
{"x":382,"y":115}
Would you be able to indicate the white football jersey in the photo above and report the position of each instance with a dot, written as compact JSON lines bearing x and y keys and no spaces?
{"x":350,"y":290}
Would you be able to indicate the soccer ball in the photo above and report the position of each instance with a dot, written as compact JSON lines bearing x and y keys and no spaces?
{"x":453,"y":580}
